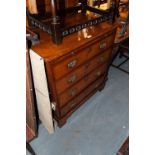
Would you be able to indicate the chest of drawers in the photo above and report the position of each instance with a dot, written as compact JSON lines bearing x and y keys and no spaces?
{"x":76,"y":69}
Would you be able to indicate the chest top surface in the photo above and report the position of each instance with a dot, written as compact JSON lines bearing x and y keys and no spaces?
{"x":50,"y":51}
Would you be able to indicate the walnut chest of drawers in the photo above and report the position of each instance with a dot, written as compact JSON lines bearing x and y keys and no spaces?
{"x":77,"y":68}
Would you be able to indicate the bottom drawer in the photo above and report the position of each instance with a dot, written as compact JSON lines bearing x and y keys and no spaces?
{"x":72,"y":104}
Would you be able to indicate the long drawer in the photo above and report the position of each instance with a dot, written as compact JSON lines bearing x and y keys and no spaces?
{"x":76,"y":58}
{"x":71,"y":78}
{"x":72,"y":104}
{"x":82,"y":84}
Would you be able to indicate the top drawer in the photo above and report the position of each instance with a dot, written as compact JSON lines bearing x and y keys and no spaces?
{"x":74,"y":59}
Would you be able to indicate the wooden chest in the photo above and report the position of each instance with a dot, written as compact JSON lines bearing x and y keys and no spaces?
{"x":77,"y":68}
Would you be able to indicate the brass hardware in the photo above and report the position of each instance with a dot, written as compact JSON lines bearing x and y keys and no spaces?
{"x":72,"y":104}
{"x":72,"y":92}
{"x":53,"y":104}
{"x":73,"y":52}
{"x":98,"y":73}
{"x":72,"y":79}
{"x":96,"y":85}
{"x":72,"y":64}
{"x":103,"y":45}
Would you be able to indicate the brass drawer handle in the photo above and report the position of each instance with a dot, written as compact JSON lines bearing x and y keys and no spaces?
{"x":72,"y":64}
{"x":72,"y":92}
{"x":103,"y":45}
{"x":72,"y":104}
{"x":96,"y":85}
{"x":98,"y":73}
{"x":72,"y":79}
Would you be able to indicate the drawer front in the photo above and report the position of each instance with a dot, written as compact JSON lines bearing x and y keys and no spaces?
{"x":98,"y":60}
{"x":75,"y":59}
{"x":101,"y":45}
{"x":72,"y":104}
{"x":65,"y":66}
{"x":80,"y":72}
{"x":79,"y":86}
{"x":70,"y":79}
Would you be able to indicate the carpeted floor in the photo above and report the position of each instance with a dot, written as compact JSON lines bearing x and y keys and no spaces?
{"x":99,"y":127}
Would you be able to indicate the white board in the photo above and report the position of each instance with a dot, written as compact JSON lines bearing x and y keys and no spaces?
{"x":41,"y":90}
